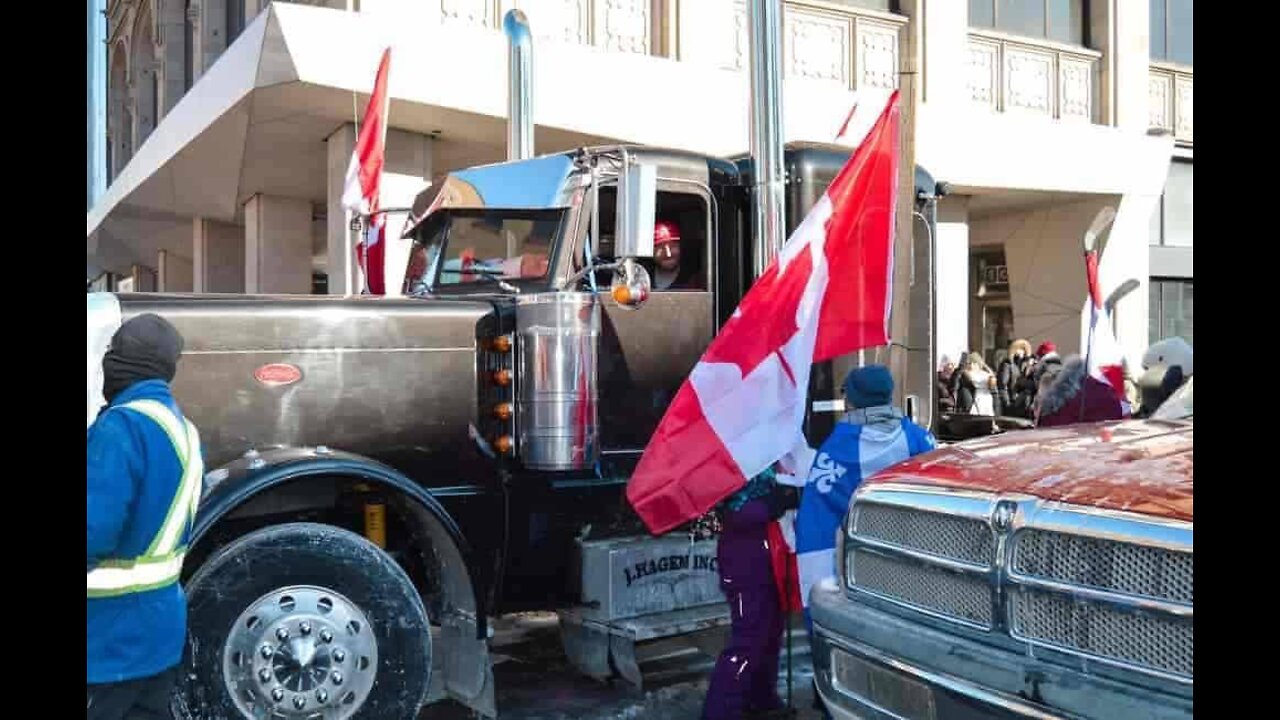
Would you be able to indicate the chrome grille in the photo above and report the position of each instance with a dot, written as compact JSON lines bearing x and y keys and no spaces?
{"x":957,"y":538}
{"x":957,"y":595}
{"x":1155,"y":642}
{"x":1105,"y":564}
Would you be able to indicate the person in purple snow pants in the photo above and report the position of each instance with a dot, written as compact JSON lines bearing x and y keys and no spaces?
{"x":744,"y":681}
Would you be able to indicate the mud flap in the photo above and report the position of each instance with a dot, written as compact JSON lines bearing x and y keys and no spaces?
{"x":465,"y":665}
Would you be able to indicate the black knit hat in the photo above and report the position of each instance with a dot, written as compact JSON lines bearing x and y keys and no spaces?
{"x":146,"y":347}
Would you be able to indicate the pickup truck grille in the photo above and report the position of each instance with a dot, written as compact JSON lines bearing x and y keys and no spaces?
{"x":927,"y":587}
{"x":957,"y":538}
{"x":1106,"y":623}
{"x":931,"y":561}
{"x":1098,"y":629}
{"x":1113,"y":587}
{"x":1105,"y":564}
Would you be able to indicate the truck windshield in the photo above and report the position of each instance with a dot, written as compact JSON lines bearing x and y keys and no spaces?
{"x":464,"y":247}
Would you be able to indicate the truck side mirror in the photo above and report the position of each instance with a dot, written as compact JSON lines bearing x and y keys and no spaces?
{"x":630,"y":287}
{"x":637,"y":206}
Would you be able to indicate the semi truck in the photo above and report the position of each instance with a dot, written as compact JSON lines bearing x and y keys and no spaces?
{"x":388,"y":474}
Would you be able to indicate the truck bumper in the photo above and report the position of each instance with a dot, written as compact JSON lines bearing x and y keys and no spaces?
{"x":873,"y":665}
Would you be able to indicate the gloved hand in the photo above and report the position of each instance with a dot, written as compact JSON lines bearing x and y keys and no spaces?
{"x":781,"y":499}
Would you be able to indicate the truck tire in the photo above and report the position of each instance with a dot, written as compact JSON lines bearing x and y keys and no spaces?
{"x":292,"y":620}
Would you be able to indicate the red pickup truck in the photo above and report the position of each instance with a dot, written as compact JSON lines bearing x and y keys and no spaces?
{"x":1037,"y":574}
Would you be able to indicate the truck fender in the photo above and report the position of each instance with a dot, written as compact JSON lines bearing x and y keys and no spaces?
{"x":469,"y":677}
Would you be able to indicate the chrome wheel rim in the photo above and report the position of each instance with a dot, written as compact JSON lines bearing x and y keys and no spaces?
{"x":300,"y":652}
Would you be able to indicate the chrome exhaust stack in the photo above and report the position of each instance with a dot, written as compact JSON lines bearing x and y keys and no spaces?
{"x":765,"y":17}
{"x":519,"y":86}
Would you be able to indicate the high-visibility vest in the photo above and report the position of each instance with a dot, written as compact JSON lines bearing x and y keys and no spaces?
{"x":161,"y":564}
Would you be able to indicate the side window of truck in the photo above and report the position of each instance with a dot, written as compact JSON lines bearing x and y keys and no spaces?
{"x":683,"y":220}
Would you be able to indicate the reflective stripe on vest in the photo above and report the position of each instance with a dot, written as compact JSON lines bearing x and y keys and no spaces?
{"x":161,"y":564}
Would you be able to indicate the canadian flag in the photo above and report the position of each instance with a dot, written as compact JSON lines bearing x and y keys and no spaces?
{"x":1103,"y":357}
{"x":362,"y":190}
{"x":827,"y":293}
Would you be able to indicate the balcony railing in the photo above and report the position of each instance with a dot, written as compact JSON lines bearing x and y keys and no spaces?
{"x":1024,"y":75}
{"x":618,"y":25}
{"x":1170,"y":91}
{"x":823,"y":42}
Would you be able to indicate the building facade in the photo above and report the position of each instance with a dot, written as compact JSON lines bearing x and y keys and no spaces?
{"x":229,"y":125}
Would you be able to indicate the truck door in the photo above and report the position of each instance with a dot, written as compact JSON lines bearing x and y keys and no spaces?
{"x":646,"y":353}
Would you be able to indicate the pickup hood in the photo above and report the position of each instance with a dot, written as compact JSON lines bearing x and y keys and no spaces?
{"x":1140,"y":466}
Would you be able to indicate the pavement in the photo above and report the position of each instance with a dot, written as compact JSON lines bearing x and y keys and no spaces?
{"x":535,"y":681}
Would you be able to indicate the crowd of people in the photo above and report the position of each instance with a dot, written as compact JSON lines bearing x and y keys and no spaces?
{"x":973,"y":388}
{"x":1048,"y":389}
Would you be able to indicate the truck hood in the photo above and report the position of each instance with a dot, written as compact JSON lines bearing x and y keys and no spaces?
{"x":370,"y":375}
{"x":1140,"y":466}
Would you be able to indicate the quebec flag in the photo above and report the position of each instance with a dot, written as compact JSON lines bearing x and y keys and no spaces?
{"x":863,"y":443}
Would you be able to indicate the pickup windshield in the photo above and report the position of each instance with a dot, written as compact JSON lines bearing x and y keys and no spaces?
{"x":480,"y":247}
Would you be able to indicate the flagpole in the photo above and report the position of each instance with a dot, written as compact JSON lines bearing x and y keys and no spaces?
{"x":364,"y":257}
{"x":1088,"y":349}
{"x":786,"y":603}
{"x":357,"y":222}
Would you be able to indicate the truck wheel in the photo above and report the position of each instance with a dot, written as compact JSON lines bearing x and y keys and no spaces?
{"x":303,"y":621}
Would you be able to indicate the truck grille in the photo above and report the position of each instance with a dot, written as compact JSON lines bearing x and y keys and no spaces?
{"x":956,"y":538}
{"x":958,"y":595}
{"x":1105,"y":564}
{"x":1115,"y":588}
{"x":1156,"y":642}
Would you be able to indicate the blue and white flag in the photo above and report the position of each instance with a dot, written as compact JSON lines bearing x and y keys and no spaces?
{"x":863,"y":443}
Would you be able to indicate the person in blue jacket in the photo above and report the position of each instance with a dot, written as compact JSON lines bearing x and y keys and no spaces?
{"x":143,"y":483}
{"x":872,"y":435}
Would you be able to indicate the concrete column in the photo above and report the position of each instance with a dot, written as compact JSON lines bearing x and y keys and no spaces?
{"x":212,"y":31}
{"x":953,"y":278}
{"x":173,"y":34}
{"x":340,"y":241}
{"x":144,"y":99}
{"x":198,"y":42}
{"x":173,"y":272}
{"x":944,"y":52}
{"x":407,"y":172}
{"x":277,"y":245}
{"x":218,"y":257}
{"x":1121,"y":31}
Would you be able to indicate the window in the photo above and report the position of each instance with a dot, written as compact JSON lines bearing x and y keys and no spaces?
{"x":678,"y":264}
{"x":1171,"y":31}
{"x":1057,"y":20}
{"x":155,"y":100}
{"x":188,"y":48}
{"x":235,"y":20}
{"x":1171,"y":224}
{"x":483,"y":248}
{"x":1169,"y":309}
